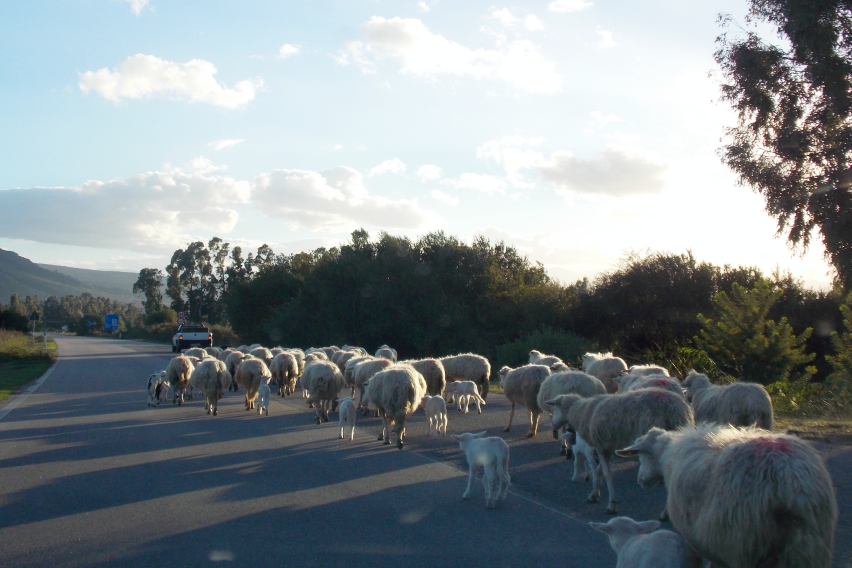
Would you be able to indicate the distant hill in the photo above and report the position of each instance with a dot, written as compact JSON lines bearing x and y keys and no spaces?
{"x":21,"y":276}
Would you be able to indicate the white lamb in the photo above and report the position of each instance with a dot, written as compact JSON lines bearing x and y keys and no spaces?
{"x":605,"y":367}
{"x":263,"y":394}
{"x":157,"y":388}
{"x":584,"y":455}
{"x":463,"y":392}
{"x":641,"y":545}
{"x":347,"y":416}
{"x":493,"y":455}
{"x":436,"y":412}
{"x":538,"y":358}
{"x":743,"y":497}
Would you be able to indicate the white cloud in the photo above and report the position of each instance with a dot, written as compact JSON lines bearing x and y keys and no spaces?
{"x":483,"y":183}
{"x":444,"y":197}
{"x":155,"y":211}
{"x":504,"y":16}
{"x":333,"y":200}
{"x":337,"y":147}
{"x":395,"y":166}
{"x":145,"y":76}
{"x":568,"y":5}
{"x":607,"y":40}
{"x":599,"y":119}
{"x":515,"y":154}
{"x":137,"y":5}
{"x":426,"y":54}
{"x":288,"y":50}
{"x":429,"y":172}
{"x":225,"y":143}
{"x":532,"y":23}
{"x":614,"y":173}
{"x":423,"y":6}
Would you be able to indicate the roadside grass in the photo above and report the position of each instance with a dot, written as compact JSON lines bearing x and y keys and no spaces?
{"x":834,"y":429}
{"x":22,"y":360}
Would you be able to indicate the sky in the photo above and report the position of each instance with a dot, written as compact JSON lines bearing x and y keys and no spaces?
{"x":578,"y":131}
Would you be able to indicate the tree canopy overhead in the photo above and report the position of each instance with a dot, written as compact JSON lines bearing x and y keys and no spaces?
{"x":793,"y":138}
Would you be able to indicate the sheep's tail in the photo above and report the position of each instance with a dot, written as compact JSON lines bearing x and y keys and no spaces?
{"x":796,"y":545}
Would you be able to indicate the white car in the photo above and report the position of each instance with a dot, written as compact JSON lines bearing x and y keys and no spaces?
{"x":191,"y":335}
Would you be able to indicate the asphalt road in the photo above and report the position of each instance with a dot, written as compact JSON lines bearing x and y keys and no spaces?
{"x":90,"y":476}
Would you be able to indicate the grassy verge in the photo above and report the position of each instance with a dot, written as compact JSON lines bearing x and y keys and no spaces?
{"x":835,"y":430}
{"x":22,"y":360}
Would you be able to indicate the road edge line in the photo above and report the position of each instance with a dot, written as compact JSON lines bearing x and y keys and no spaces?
{"x":22,"y":396}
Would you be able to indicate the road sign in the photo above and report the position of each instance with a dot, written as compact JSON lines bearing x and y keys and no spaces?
{"x":111,"y":322}
{"x":34,"y":316}
{"x":181,"y":318}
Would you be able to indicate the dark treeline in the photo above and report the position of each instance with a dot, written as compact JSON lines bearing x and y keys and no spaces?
{"x":437,"y":295}
{"x":72,"y":312}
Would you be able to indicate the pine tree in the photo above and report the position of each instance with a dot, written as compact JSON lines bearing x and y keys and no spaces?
{"x":842,"y":342}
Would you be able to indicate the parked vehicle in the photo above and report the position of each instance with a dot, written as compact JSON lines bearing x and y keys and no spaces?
{"x":191,"y":335}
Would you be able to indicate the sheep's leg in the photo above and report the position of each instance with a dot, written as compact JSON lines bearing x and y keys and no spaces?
{"x":487,"y":481}
{"x":342,"y":426}
{"x":595,"y":495}
{"x":470,"y":478}
{"x":352,"y":430}
{"x":444,"y":418}
{"x":579,"y":463}
{"x":503,"y":472}
{"x":511,"y":415}
{"x":533,"y":424}
{"x":612,"y":508}
{"x":400,"y":434}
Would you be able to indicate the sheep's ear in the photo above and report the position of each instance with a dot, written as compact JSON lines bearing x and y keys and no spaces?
{"x":647,"y":526}
{"x":602,"y":527}
{"x":550,"y":402}
{"x":456,"y":436}
{"x":630,"y":452}
{"x":480,"y":434}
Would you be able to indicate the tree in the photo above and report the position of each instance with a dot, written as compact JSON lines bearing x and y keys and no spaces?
{"x":149,"y":284}
{"x":842,"y":361}
{"x":747,"y":345}
{"x":793,"y":139}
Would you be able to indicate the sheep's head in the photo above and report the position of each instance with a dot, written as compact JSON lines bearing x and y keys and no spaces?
{"x":467,"y":437}
{"x":503,"y":372}
{"x":648,"y":449}
{"x":621,"y":529}
{"x":560,"y":406}
{"x":694,"y":382}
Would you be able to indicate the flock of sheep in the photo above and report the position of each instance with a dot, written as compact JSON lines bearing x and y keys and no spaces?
{"x":738,"y":494}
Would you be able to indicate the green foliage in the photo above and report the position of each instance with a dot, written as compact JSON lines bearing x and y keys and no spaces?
{"x":162,"y":316}
{"x":747,"y":345}
{"x":149,"y":283}
{"x":793,"y":138}
{"x":842,"y":342}
{"x":565,"y":345}
{"x":11,"y":320}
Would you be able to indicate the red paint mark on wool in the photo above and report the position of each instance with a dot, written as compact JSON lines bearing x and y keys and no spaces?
{"x":772,"y":444}
{"x":661,"y":383}
{"x":660,"y":396}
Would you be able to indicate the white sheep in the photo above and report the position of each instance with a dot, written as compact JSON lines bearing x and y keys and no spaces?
{"x":436,"y":413}
{"x":323,"y":381}
{"x":646,"y":370}
{"x":396,"y":392}
{"x":157,"y":384}
{"x":584,"y":455}
{"x":739,"y":404}
{"x":468,"y":367}
{"x":521,"y":386}
{"x":605,"y":367}
{"x":213,"y":351}
{"x":493,"y":455}
{"x":178,"y":372}
{"x":538,"y":358}
{"x":610,"y":422}
{"x":285,"y":370}
{"x":196,"y":352}
{"x":433,"y":371}
{"x":641,"y":545}
{"x":263,"y":354}
{"x":251,"y":373}
{"x":362,"y":372}
{"x":743,"y":497}
{"x":347,"y":416}
{"x":463,"y":392}
{"x":232,"y":361}
{"x":254,"y":346}
{"x":330,"y":350}
{"x":211,"y":377}
{"x":263,"y":395}
{"x":386,"y":352}
{"x":570,"y":382}
{"x":653,"y":381}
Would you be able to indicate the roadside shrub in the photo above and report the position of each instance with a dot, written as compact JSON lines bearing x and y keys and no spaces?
{"x":567,"y":346}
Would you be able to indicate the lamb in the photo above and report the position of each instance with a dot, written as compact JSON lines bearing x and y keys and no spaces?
{"x":433,"y":371}
{"x":739,"y":404}
{"x":362,"y":372}
{"x":584,"y":454}
{"x":610,"y":422}
{"x":436,"y":413}
{"x":263,"y":354}
{"x":463,"y":392}
{"x":493,"y":455}
{"x":251,"y":373}
{"x":263,"y":394}
{"x":468,"y":367}
{"x":284,"y":369}
{"x":211,"y":377}
{"x":521,"y":386}
{"x":641,"y":545}
{"x":178,"y":372}
{"x":386,"y":352}
{"x":323,"y":381}
{"x":743,"y":497}
{"x":347,"y":416}
{"x":576,"y":382}
{"x":396,"y":392}
{"x":605,"y":368}
{"x":157,"y":388}
{"x":537,"y":358}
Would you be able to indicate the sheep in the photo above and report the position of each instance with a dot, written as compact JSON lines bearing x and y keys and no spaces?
{"x":213,"y":351}
{"x":463,"y":392}
{"x":276,"y":351}
{"x":537,"y":358}
{"x":584,"y":454}
{"x":211,"y":377}
{"x":396,"y":392}
{"x":360,"y":350}
{"x":177,"y":374}
{"x":349,"y":370}
{"x":223,"y":355}
{"x":157,"y":385}
{"x":653,"y":381}
{"x":347,"y":416}
{"x":576,"y":382}
{"x":641,"y":545}
{"x":243,"y":349}
{"x":739,"y":404}
{"x":468,"y":367}
{"x":323,"y":381}
{"x":493,"y":455}
{"x":300,"y":358}
{"x":263,"y":354}
{"x":362,"y":372}
{"x":284,"y":370}
{"x":646,"y":370}
{"x":611,"y":422}
{"x":315,"y":356}
{"x":386,"y":352}
{"x":743,"y":497}
{"x":233,"y":361}
{"x":342,"y":357}
{"x":521,"y":386}
{"x":254,"y":346}
{"x":605,"y":368}
{"x":433,"y":371}
{"x":561,"y":368}
{"x":263,"y":395}
{"x":436,"y":413}
{"x":330,"y":350}
{"x":251,"y":373}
